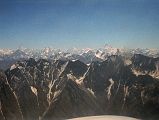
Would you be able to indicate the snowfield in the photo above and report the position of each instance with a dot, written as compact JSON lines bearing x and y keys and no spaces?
{"x":105,"y":117}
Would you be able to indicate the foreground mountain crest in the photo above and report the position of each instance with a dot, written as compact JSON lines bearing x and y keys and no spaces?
{"x":63,"y":89}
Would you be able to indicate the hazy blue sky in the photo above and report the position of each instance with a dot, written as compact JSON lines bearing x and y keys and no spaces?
{"x":79,"y":23}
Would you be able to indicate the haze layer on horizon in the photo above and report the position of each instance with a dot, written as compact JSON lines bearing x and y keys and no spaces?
{"x":79,"y":23}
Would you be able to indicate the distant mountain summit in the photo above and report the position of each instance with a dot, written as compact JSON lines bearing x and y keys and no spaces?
{"x":88,"y":55}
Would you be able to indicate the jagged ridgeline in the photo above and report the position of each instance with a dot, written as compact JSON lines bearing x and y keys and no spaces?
{"x":63,"y":89}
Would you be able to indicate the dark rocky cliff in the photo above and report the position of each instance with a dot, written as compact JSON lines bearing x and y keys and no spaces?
{"x":51,"y":90}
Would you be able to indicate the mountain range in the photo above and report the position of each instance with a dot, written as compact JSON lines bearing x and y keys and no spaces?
{"x":87,"y":55}
{"x":57,"y":89}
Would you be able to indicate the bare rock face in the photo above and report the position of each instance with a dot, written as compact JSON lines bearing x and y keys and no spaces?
{"x":52,"y":90}
{"x":20,"y":81}
{"x":76,"y":67}
{"x":9,"y":106}
{"x":71,"y":101}
{"x":99,"y":73}
{"x":145,"y":64}
{"x":1,"y":114}
{"x":119,"y":91}
{"x":35,"y":83}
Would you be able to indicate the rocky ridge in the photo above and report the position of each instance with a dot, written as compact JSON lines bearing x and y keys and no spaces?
{"x":63,"y":89}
